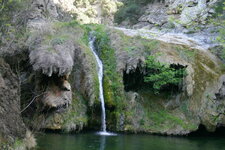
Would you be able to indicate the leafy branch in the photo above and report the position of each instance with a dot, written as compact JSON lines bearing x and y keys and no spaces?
{"x":160,"y":74}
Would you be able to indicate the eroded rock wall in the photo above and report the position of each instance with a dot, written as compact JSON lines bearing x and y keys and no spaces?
{"x":176,"y":13}
{"x":200,"y":101}
{"x":55,"y":50}
{"x":59,"y":56}
{"x":84,"y":11}
{"x":13,"y":130}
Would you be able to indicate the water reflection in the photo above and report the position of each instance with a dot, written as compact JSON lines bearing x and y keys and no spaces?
{"x":91,"y":141}
{"x":102,"y":143}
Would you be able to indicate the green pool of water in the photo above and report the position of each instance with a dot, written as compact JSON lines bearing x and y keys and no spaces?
{"x":91,"y":141}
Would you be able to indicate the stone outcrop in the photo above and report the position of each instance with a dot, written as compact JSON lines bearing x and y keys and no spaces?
{"x":12,"y":126}
{"x":178,"y":12}
{"x":200,"y":101}
{"x":65,"y":72}
{"x":155,"y":15}
{"x":58,"y":93}
{"x":59,"y":69}
{"x":62,"y":71}
{"x":199,"y":11}
{"x":84,"y":11}
{"x":13,"y":129}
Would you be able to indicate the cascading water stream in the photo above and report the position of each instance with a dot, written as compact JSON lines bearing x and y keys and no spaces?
{"x":100,"y":78}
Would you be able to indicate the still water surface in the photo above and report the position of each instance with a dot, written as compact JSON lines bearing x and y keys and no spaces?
{"x":92,"y":141}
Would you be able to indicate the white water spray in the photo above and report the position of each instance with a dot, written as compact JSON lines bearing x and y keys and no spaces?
{"x":100,"y":78}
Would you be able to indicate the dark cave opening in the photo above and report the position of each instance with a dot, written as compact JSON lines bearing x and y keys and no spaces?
{"x":34,"y":89}
{"x":44,"y":80}
{"x":134,"y":80}
{"x":177,"y":66}
{"x":202,"y":131}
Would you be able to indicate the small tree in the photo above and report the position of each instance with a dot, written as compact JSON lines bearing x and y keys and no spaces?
{"x":160,"y":74}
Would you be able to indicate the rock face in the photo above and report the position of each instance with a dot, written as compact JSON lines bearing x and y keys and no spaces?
{"x":59,"y":68}
{"x":11,"y":124}
{"x":60,"y":62}
{"x":65,"y":73}
{"x":178,"y":12}
{"x":84,"y":11}
{"x":155,"y":14}
{"x":64,"y":69}
{"x":51,"y":55}
{"x":188,"y":18}
{"x":89,"y":11}
{"x":64,"y":80}
{"x":84,"y":89}
{"x":200,"y":101}
{"x":58,"y":93}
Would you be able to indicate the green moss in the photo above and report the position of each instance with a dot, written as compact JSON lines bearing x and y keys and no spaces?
{"x":19,"y":145}
{"x":149,"y":115}
{"x":135,"y":46}
{"x":80,"y":35}
{"x":107,"y":55}
{"x":76,"y":118}
{"x":58,"y":33}
{"x":93,"y":66}
{"x":112,"y":82}
{"x":108,"y":92}
{"x":186,"y":53}
{"x":13,"y":28}
{"x":165,"y":120}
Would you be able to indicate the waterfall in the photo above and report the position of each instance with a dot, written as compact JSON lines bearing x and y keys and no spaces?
{"x":100,"y":78}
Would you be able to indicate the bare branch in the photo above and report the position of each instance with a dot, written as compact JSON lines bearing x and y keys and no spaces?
{"x":32,"y":101}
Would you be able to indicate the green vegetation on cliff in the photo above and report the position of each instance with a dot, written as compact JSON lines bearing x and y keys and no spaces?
{"x":221,"y":37}
{"x":112,"y":82}
{"x":131,"y":11}
{"x":75,"y":119}
{"x":219,"y":21}
{"x":13,"y":19}
{"x":144,"y":110}
{"x":161,"y":75}
{"x":83,"y":79}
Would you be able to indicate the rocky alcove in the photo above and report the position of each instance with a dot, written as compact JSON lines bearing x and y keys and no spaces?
{"x":134,"y":79}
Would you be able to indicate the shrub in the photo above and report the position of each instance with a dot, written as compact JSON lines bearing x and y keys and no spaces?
{"x":161,"y":75}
